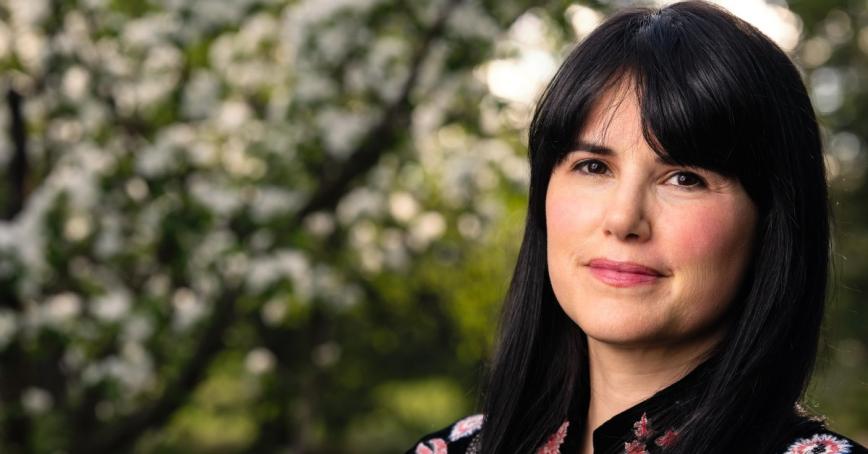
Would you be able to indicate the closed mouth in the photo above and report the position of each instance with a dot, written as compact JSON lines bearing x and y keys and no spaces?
{"x":624,"y":267}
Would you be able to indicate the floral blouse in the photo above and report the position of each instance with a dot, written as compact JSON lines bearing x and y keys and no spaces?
{"x":632,"y":431}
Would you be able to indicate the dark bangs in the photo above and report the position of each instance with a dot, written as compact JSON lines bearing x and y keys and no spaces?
{"x":702,"y":104}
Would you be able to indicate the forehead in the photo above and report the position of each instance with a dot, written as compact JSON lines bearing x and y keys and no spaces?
{"x":614,"y":122}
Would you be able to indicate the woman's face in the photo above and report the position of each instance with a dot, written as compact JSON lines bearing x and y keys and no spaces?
{"x":641,"y":252}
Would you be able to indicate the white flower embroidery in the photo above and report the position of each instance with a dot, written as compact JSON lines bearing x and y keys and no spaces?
{"x":465,"y":427}
{"x":820,"y":444}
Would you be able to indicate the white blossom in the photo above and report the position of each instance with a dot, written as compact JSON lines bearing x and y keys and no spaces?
{"x":238,"y":162}
{"x":149,"y":31}
{"x":157,"y":285}
{"x":133,"y":368}
{"x":215,"y":245}
{"x":187,"y":307}
{"x":209,"y":13}
{"x":137,"y":189}
{"x":234,"y":267}
{"x":331,"y":288}
{"x":233,"y":114}
{"x":371,"y":259}
{"x":305,"y":17}
{"x":266,"y":270}
{"x":394,"y":248}
{"x":76,"y":82}
{"x":36,"y":401}
{"x":27,"y":13}
{"x":259,"y":361}
{"x":67,"y":130}
{"x":274,"y":311}
{"x":359,"y":202}
{"x":320,"y":223}
{"x":155,"y":160}
{"x":8,"y":327}
{"x":137,"y":328}
{"x":271,"y":201}
{"x":403,"y":206}
{"x":219,"y":198}
{"x":112,"y":306}
{"x":61,"y":308}
{"x":258,"y":29}
{"x":386,"y":67}
{"x":333,"y":43}
{"x":342,"y":129}
{"x":137,"y":370}
{"x":583,"y":19}
{"x":362,"y":234}
{"x":261,"y":240}
{"x":5,"y":41}
{"x":77,"y":227}
{"x":846,"y":146}
{"x":311,"y":87}
{"x":426,"y":228}
{"x":207,"y":285}
{"x":469,"y":226}
{"x":201,"y":94}
{"x":470,"y":20}
{"x":827,"y":89}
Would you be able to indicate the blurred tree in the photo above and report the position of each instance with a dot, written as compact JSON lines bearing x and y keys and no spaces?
{"x":260,"y":224}
{"x":834,"y":56}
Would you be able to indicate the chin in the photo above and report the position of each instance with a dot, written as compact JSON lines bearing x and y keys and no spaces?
{"x":623,"y":329}
{"x":625,"y":338}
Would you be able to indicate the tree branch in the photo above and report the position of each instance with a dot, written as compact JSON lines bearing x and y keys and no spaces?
{"x":18,"y":165}
{"x":120,"y":436}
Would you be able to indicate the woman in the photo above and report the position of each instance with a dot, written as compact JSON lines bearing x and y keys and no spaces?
{"x":671,"y":281}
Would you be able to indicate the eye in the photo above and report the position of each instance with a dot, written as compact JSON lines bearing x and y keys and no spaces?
{"x":591,"y":166}
{"x":687,"y":180}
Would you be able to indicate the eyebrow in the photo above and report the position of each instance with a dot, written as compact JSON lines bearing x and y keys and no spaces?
{"x":602,"y":150}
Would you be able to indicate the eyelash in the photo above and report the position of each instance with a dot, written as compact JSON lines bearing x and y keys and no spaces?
{"x":700,"y":182}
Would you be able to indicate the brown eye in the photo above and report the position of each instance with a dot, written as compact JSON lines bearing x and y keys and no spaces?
{"x":687,"y":179}
{"x":592,"y":166}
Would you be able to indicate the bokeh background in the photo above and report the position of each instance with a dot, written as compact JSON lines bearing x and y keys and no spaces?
{"x":244,"y":226}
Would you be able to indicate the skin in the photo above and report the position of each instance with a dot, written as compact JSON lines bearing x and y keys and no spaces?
{"x":693,"y":225}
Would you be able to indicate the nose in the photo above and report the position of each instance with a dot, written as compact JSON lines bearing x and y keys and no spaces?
{"x":626,"y":217}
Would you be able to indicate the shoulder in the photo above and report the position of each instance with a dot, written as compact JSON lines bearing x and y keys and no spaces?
{"x":462,"y":436}
{"x":823,"y":441}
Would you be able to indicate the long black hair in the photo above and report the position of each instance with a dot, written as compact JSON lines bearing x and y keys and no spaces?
{"x":713,"y":92}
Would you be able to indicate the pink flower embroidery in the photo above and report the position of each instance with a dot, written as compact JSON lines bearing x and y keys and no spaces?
{"x":641,"y":427}
{"x":635,"y":447}
{"x":553,"y":445}
{"x":465,"y":427}
{"x":820,"y":444}
{"x":643,"y":432}
{"x":666,"y":440}
{"x":438,"y":444}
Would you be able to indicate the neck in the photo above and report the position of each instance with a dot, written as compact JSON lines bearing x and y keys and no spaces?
{"x":622,"y":376}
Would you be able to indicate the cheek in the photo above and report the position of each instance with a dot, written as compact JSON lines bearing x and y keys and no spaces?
{"x":570,"y":215}
{"x":711,"y":244}
{"x":560,"y":217}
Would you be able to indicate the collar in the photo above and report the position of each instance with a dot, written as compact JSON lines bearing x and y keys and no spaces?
{"x":645,"y":427}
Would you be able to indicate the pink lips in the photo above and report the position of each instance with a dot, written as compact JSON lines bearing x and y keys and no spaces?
{"x":623,"y":274}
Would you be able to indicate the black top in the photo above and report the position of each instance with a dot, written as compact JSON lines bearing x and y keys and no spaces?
{"x":636,"y":431}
